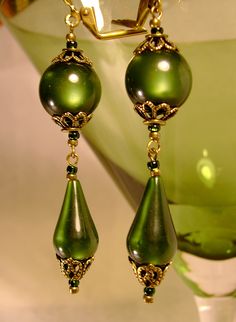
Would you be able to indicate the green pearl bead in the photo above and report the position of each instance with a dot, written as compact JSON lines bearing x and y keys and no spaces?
{"x":69,"y":87}
{"x":152,"y":238}
{"x":160,"y":77}
{"x":75,"y":234}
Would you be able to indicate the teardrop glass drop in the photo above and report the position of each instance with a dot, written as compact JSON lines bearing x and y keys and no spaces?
{"x":152,"y":237}
{"x":75,"y":235}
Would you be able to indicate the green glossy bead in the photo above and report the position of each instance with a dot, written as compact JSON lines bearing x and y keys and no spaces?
{"x":149,"y":291}
{"x":152,"y":238}
{"x":74,"y":283}
{"x":75,"y":234}
{"x":69,"y":87}
{"x":160,"y":77}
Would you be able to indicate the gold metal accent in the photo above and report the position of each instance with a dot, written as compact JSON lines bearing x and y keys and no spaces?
{"x":87,"y":16}
{"x":72,"y":54}
{"x":155,"y":42}
{"x":71,"y":176}
{"x":156,"y":11}
{"x":153,"y":149}
{"x":72,"y":158}
{"x":74,"y":290}
{"x":148,"y":299}
{"x":74,"y":269}
{"x":71,"y":37}
{"x":89,"y":20}
{"x":155,"y":114}
{"x":149,"y":275}
{"x":70,"y":122}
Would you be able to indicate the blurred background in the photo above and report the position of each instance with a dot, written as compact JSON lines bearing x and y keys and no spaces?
{"x":33,"y":183}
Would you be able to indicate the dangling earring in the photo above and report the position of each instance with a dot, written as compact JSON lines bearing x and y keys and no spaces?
{"x":70,"y":91}
{"x":158,"y":81}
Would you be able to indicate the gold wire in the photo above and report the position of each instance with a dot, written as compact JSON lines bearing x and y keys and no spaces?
{"x":153,"y":150}
{"x":72,"y":158}
{"x":156,"y":12}
{"x":72,"y":19}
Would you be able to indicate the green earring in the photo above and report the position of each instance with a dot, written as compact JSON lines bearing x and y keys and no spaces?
{"x":158,"y":81}
{"x":70,"y":91}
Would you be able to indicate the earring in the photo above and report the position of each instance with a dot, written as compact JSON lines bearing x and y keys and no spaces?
{"x":70,"y":91}
{"x":158,"y":81}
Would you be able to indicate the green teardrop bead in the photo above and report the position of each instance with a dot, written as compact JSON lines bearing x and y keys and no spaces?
{"x":162,"y":76}
{"x":152,"y":238}
{"x":69,"y":87}
{"x":75,"y":234}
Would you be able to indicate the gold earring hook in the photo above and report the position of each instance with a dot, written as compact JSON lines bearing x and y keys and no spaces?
{"x":87,"y":16}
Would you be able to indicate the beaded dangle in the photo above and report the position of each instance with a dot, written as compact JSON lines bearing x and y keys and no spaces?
{"x":158,"y":81}
{"x":70,"y":91}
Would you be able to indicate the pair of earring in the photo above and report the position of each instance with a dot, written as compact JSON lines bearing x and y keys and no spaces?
{"x":158,"y":81}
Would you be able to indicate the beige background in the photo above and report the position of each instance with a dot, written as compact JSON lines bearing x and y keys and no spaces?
{"x":32,"y":177}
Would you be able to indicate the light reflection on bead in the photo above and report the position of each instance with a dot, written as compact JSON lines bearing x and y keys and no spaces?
{"x":160,"y":77}
{"x":69,"y":87}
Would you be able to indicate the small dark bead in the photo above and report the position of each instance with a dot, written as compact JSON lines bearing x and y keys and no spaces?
{"x":74,"y":283}
{"x":71,"y":275}
{"x":154,"y":128}
{"x":71,"y":169}
{"x":156,"y":30}
{"x":73,"y":135}
{"x":65,"y":266}
{"x":153,"y":165}
{"x":71,"y":44}
{"x":149,"y":291}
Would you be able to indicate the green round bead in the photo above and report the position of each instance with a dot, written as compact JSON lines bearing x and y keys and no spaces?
{"x":69,"y":87}
{"x":74,"y":283}
{"x":160,"y":77}
{"x":149,"y":291}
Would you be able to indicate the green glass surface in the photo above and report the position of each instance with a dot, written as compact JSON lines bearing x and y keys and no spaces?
{"x":167,"y":78}
{"x":207,"y":241}
{"x":152,"y":238}
{"x":75,"y":234}
{"x":69,"y":87}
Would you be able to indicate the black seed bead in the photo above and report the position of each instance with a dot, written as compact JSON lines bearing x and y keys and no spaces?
{"x":149,"y":291}
{"x":154,"y":128}
{"x":153,"y":165}
{"x":156,"y":30}
{"x":71,"y":169}
{"x":71,"y":44}
{"x":73,"y":135}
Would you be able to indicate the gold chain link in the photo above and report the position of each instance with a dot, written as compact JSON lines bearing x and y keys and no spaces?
{"x":156,"y":12}
{"x":72,"y":158}
{"x":73,"y":18}
{"x":153,"y":149}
